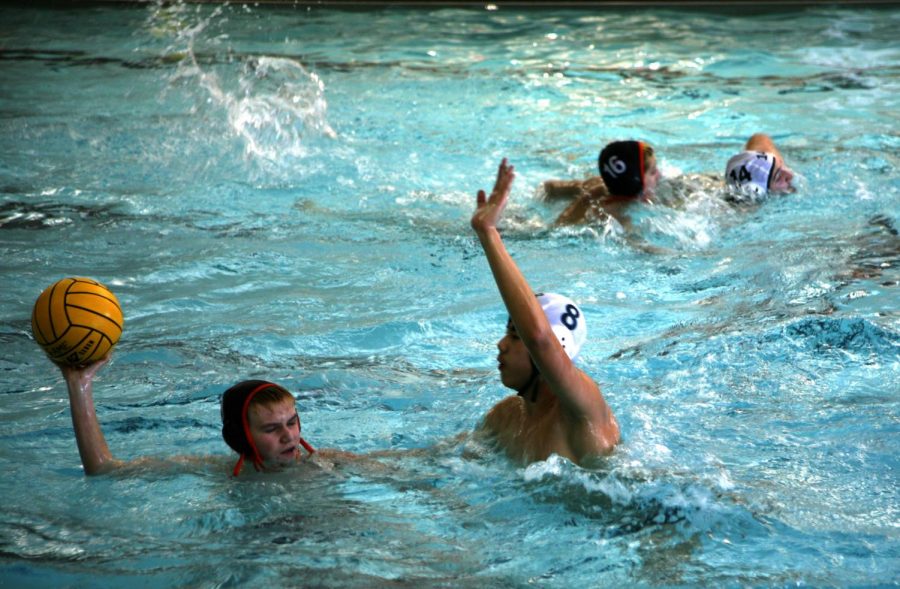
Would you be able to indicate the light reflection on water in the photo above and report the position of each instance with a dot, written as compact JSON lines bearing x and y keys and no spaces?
{"x":279,"y":193}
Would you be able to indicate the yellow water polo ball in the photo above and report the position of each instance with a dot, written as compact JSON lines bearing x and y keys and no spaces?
{"x":77,"y":321}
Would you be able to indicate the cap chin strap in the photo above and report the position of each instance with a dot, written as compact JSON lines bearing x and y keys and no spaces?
{"x":771,"y":173}
{"x":245,"y":421}
{"x":641,"y":165}
{"x":531,"y":385}
{"x":238,"y":466}
{"x":306,"y":446}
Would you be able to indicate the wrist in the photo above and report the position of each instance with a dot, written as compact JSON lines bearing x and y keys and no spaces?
{"x":487,"y":232}
{"x":77,"y":381}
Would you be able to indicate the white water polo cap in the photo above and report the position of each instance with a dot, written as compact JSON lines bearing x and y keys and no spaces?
{"x":566,"y":320}
{"x":750,"y":172}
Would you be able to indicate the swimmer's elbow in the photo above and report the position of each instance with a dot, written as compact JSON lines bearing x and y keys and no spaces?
{"x":102,"y":467}
{"x":611,"y":435}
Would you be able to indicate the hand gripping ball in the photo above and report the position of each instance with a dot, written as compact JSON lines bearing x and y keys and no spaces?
{"x":76,"y":321}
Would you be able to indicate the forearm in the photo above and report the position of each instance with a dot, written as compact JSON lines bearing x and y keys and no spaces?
{"x":517,"y":295}
{"x":571,"y":189}
{"x":559,"y":189}
{"x":95,"y":455}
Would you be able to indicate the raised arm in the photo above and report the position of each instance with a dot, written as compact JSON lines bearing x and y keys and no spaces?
{"x":95,"y":454}
{"x":575,"y":390}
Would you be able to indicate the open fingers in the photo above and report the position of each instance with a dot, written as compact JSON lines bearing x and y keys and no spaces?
{"x":490,"y":208}
{"x":501,"y":170}
{"x":505,"y":176}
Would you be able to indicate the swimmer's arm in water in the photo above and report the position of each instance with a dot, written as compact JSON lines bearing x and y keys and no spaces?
{"x":576,"y":212}
{"x":577,"y":392}
{"x":571,"y":189}
{"x":382,"y":463}
{"x":439,"y":446}
{"x":584,"y":210}
{"x":562,"y":189}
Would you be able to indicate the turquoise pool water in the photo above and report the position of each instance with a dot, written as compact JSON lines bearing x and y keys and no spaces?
{"x":284,"y":193}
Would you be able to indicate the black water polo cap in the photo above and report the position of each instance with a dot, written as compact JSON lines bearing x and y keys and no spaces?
{"x":234,"y":405}
{"x":621,"y":165}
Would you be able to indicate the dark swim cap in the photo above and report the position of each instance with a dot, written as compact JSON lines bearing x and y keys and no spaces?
{"x":235,"y":402}
{"x":235,"y":421}
{"x":621,"y":165}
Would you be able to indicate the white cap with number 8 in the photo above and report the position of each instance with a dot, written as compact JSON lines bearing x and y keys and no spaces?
{"x":566,"y":320}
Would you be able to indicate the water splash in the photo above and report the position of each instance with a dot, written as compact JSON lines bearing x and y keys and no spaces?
{"x":274,"y":105}
{"x":630,"y":499}
{"x":281,"y":103}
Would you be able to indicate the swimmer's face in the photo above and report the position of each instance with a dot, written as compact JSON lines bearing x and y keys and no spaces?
{"x":276,"y":431}
{"x":781,"y":178}
{"x":513,"y":361}
{"x":651,"y":176}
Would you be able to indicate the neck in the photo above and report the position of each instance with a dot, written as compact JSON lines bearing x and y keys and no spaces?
{"x":537,"y":396}
{"x":530,"y":391}
{"x":619,"y":198}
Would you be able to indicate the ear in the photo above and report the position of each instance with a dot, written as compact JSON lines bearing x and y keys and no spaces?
{"x":233,"y":433}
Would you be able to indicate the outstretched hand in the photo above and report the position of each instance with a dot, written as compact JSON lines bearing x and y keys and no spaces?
{"x":83,"y":374}
{"x":489,"y":209}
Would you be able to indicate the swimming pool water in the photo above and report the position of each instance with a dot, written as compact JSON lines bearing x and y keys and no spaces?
{"x":284,"y":193}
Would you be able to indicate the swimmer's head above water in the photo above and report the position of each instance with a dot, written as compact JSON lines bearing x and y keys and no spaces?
{"x":260,"y":422}
{"x":629,"y":168}
{"x":568,"y":325}
{"x":759,"y":169}
{"x":756,"y":173}
{"x":566,"y":321}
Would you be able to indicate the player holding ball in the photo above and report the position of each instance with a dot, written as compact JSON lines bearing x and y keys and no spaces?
{"x":78,"y":321}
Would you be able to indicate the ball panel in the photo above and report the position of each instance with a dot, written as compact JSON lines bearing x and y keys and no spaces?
{"x":36,"y":326}
{"x":91,"y":347}
{"x":94,"y":289}
{"x":56,"y":320}
{"x":48,"y":317}
{"x":99,"y":323}
{"x":77,"y":321}
{"x":94,"y":311}
{"x":85,"y":350}
{"x":103,"y":347}
{"x":69,"y":341}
